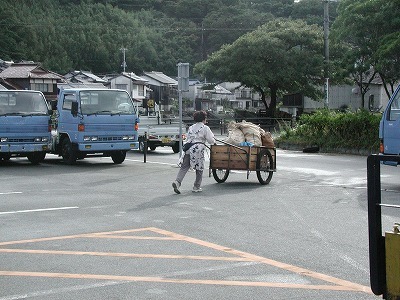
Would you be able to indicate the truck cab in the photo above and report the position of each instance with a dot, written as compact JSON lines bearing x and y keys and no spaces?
{"x":94,"y":122}
{"x":389,"y":128}
{"x":24,"y":125}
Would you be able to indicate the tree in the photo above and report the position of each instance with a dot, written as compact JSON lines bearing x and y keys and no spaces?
{"x":280,"y":56}
{"x":368,"y":30}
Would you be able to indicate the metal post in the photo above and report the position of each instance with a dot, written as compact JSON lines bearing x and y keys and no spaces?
{"x":180,"y":123}
{"x":183,"y":85}
{"x":376,"y":241}
{"x":326,"y":51}
{"x":145,"y":147}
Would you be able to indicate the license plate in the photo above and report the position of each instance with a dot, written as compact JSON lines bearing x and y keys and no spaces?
{"x":166,"y":140}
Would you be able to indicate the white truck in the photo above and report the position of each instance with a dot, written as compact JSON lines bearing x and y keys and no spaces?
{"x":160,"y":132}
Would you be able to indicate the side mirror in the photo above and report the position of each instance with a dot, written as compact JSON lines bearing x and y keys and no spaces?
{"x":74,"y":108}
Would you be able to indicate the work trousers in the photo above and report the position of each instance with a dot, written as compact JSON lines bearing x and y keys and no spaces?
{"x":183,"y":170}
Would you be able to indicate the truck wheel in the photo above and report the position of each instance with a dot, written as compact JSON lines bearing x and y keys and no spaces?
{"x":36,"y":157}
{"x":5,"y":157}
{"x":68,"y":154}
{"x":118,"y":157}
{"x":175,"y":147}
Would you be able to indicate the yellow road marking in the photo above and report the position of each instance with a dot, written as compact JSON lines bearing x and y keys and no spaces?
{"x":267,"y":261}
{"x":235,"y":255}
{"x":170,"y":280}
{"x":133,"y":255}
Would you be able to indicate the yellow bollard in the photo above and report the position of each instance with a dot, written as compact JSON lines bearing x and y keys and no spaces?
{"x":392,"y":249}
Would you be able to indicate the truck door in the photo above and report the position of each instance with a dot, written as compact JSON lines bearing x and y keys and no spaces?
{"x":390,"y":126}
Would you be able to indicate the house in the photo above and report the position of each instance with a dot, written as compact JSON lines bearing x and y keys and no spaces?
{"x":212,"y":97}
{"x":84,"y":78}
{"x":223,"y":96}
{"x":339,"y":97}
{"x":135,"y":85}
{"x":245,"y":98}
{"x":31,"y":76}
{"x":163,"y":89}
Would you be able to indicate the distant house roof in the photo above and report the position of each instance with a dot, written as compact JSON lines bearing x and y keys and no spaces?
{"x":161,"y":77}
{"x":83,"y":77}
{"x":28,"y":70}
{"x":217,"y":89}
{"x":67,"y":85}
{"x":135,"y":78}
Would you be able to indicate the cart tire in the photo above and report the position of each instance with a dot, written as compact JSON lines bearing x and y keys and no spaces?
{"x":264,"y":165}
{"x":220,"y":175}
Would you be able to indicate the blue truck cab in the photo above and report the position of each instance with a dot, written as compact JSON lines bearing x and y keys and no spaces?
{"x":94,"y":122}
{"x":389,"y":128}
{"x":24,"y":125}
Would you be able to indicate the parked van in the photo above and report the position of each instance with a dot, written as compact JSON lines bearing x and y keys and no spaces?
{"x":389,"y":128}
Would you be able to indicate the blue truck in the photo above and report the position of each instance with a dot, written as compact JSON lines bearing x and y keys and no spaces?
{"x":389,"y":128}
{"x":24,"y":125}
{"x":94,"y":122}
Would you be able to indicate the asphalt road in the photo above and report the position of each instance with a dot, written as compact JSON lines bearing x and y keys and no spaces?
{"x":102,"y":231}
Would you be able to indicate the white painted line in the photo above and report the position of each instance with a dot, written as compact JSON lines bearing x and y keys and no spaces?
{"x":62,"y":290}
{"x":36,"y":210}
{"x":10,"y":193}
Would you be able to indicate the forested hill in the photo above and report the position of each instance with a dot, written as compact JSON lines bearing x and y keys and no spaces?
{"x":65,"y":35}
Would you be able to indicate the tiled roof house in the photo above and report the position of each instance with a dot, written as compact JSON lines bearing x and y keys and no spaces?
{"x":30,"y":76}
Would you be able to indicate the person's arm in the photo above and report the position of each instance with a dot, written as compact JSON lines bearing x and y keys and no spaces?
{"x":209,"y":135}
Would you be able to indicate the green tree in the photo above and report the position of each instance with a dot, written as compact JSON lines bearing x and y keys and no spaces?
{"x":280,"y":56}
{"x":368,"y":30}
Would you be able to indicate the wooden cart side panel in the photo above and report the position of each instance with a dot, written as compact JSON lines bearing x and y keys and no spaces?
{"x":228,"y":157}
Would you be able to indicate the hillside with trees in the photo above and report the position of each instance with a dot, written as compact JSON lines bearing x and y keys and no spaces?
{"x":224,"y":40}
{"x":88,"y":35}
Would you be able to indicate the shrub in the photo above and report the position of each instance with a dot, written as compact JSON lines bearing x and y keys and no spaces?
{"x":336,"y":129}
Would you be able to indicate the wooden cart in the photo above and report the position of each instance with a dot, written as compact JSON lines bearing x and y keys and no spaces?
{"x":226,"y":157}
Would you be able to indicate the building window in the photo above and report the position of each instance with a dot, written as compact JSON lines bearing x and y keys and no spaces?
{"x":121,"y":87}
{"x":141,"y":90}
{"x":43,"y":87}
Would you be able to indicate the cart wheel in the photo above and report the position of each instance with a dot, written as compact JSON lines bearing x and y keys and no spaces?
{"x":264,"y":165}
{"x":220,"y":175}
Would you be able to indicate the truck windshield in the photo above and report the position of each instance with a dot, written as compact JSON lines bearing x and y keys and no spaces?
{"x":106,"y":102}
{"x":22,"y":103}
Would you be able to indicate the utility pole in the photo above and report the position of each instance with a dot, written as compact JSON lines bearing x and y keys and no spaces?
{"x":123,"y":49}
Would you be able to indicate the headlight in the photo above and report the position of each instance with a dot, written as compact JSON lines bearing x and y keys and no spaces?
{"x":38,"y":139}
{"x":90,"y":138}
{"x":45,"y":139}
{"x":3,"y":139}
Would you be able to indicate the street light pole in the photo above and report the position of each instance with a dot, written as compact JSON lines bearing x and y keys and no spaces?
{"x":326,"y":52}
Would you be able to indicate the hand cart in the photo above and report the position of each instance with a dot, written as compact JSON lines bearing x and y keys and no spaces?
{"x":227,"y":157}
